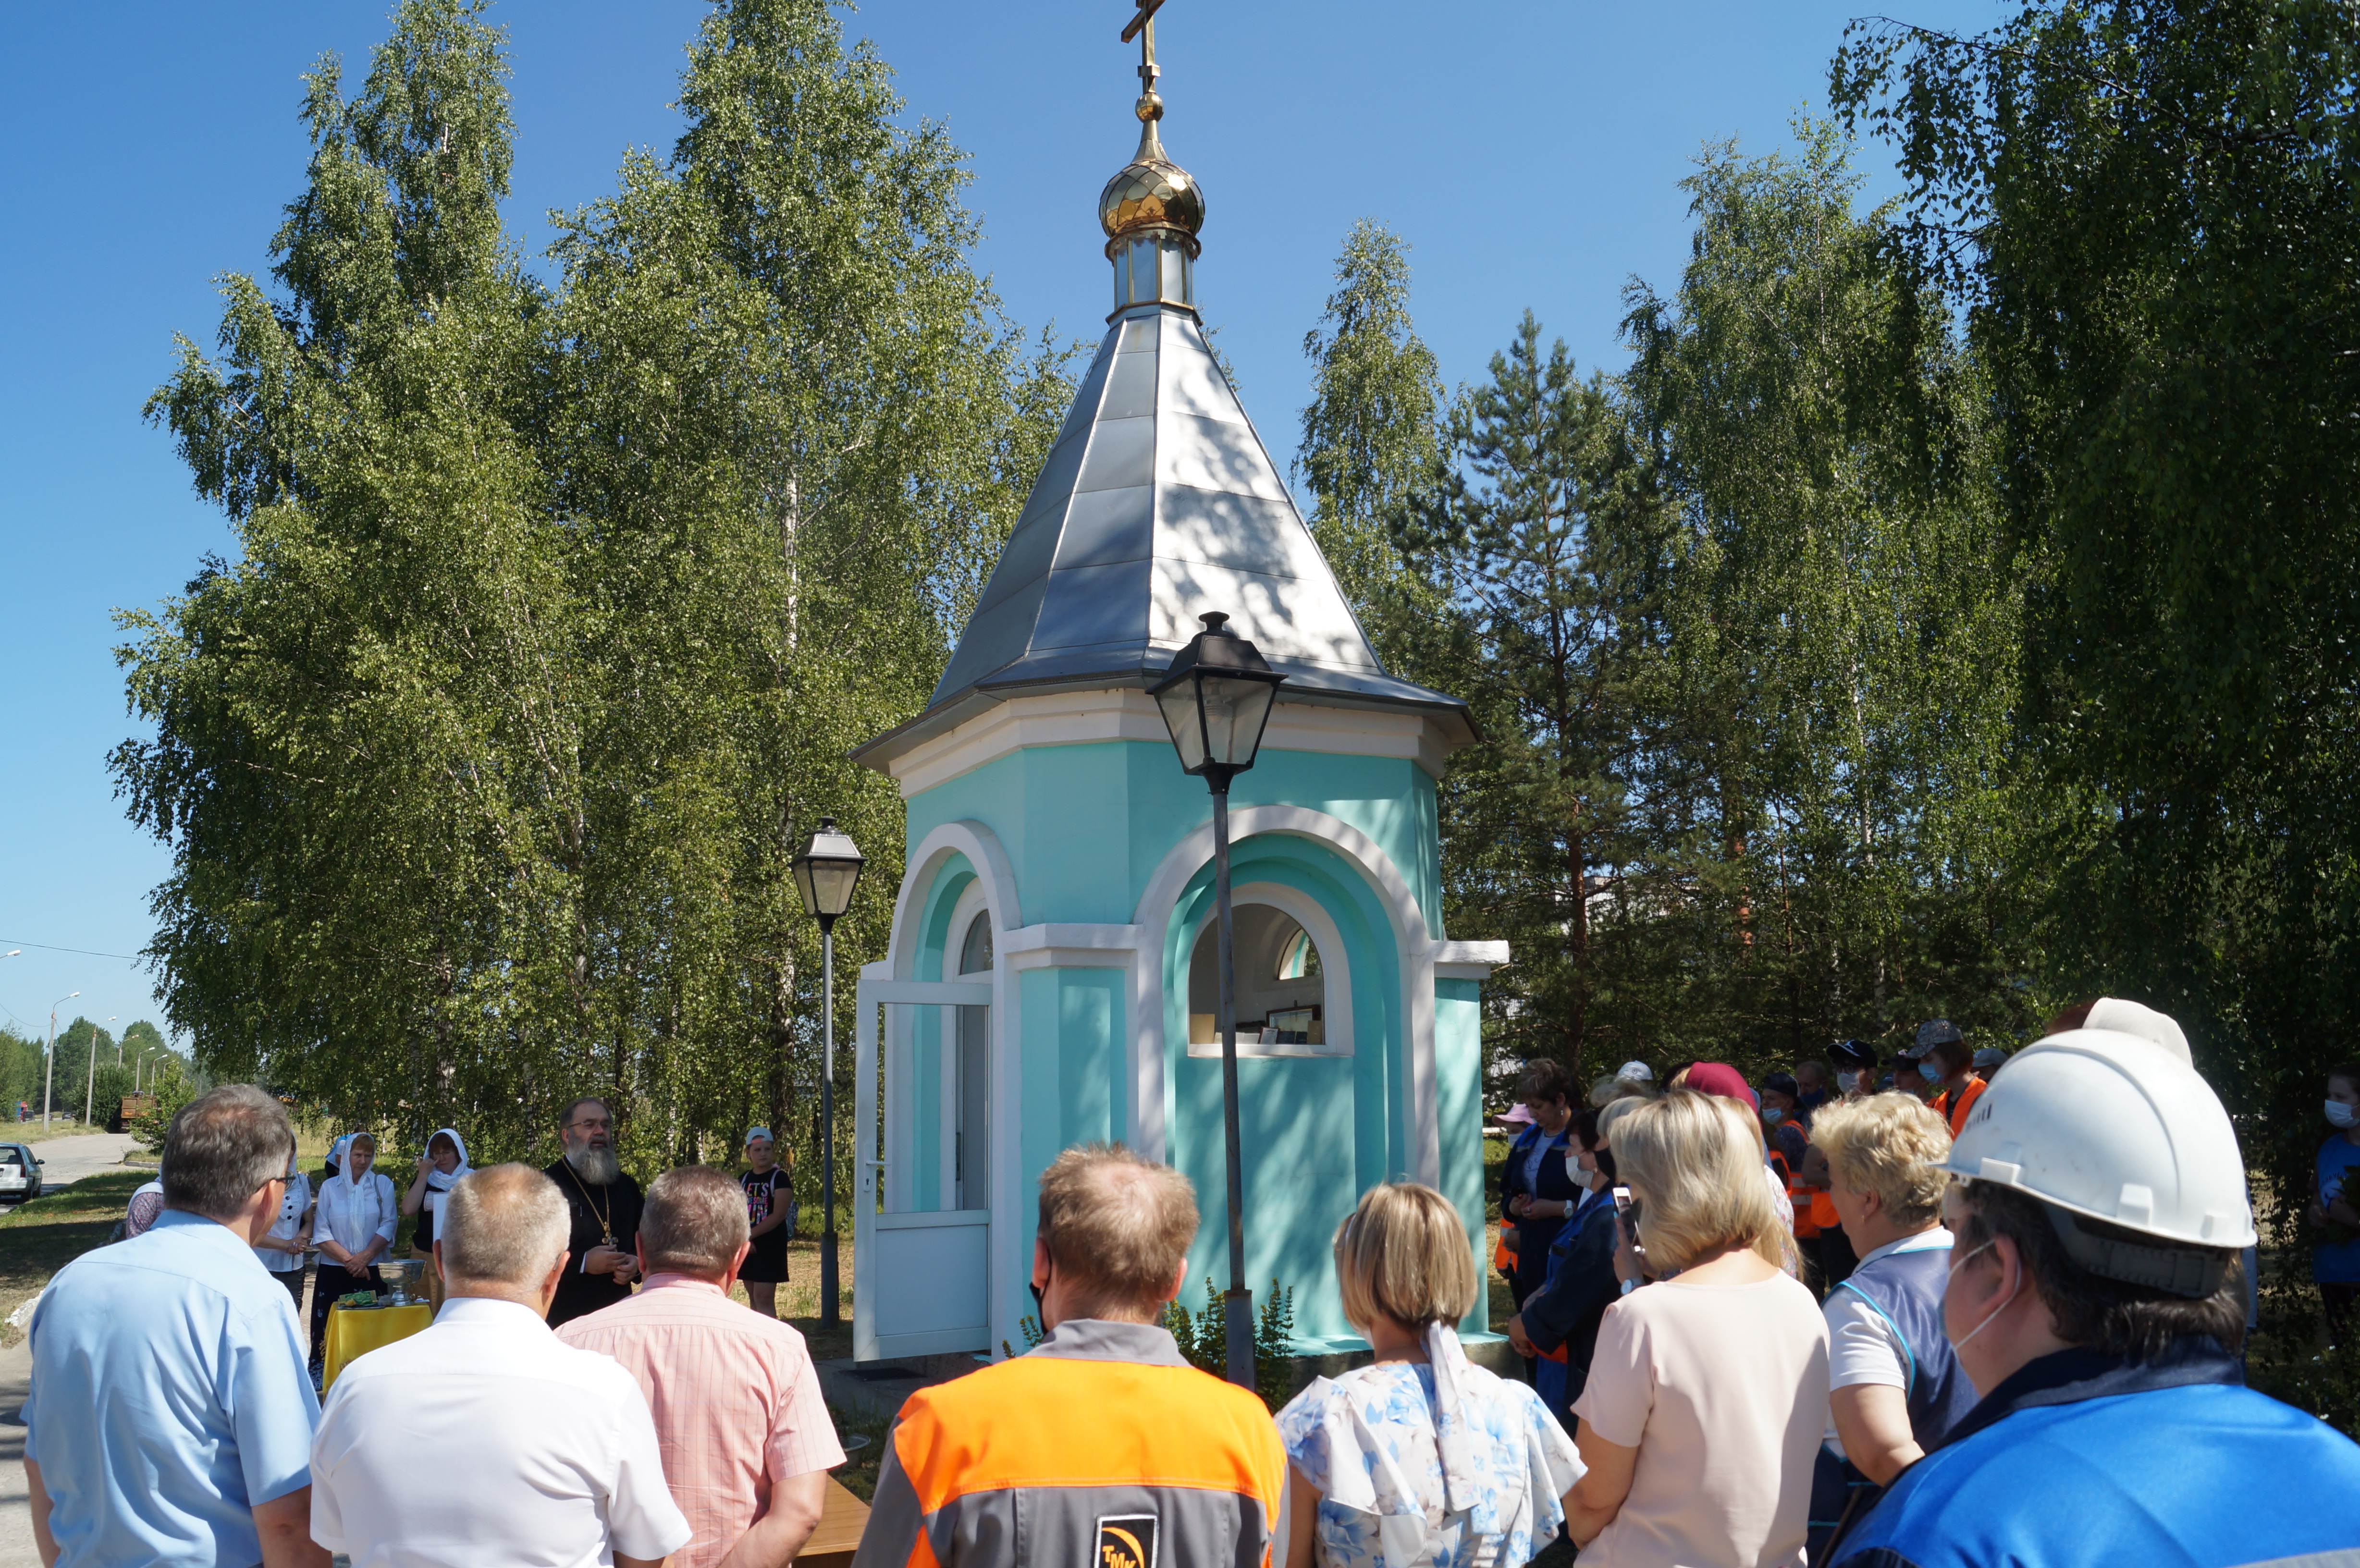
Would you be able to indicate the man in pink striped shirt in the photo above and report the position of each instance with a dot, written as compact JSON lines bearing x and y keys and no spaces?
{"x":746,"y":1436}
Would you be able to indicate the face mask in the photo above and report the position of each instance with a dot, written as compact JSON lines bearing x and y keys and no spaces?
{"x":1774,"y":1115}
{"x":2342,"y":1114}
{"x":1847,"y":1082}
{"x":1957,"y":1264}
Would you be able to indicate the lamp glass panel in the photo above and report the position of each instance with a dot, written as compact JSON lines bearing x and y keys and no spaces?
{"x":1179,"y":704}
{"x":830,"y":883}
{"x":1235,"y":711}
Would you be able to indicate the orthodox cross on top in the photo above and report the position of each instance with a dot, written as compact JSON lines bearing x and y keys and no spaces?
{"x":1143,"y":28}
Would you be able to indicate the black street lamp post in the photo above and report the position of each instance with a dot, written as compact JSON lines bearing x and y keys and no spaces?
{"x":825,"y":873}
{"x":1216,"y":699}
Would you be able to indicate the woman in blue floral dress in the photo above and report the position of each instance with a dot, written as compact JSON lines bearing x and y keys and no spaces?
{"x":1421,"y":1457}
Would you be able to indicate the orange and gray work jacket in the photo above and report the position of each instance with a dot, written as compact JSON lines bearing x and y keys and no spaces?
{"x":1101,"y":1447}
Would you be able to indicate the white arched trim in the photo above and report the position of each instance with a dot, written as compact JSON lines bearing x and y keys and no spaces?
{"x":998,"y":879}
{"x":1335,"y":965}
{"x":1421,"y":1133}
{"x":995,"y":890}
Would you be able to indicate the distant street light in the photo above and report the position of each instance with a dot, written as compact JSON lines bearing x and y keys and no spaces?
{"x":825,"y":873}
{"x":89,"y":1076}
{"x":14,"y":952}
{"x":1215,"y":698}
{"x":49,"y":1071}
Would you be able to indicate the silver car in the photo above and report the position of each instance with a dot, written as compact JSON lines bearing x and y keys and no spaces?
{"x":20,"y":1174}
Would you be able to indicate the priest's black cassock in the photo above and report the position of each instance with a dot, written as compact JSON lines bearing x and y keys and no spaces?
{"x":603,"y":1216}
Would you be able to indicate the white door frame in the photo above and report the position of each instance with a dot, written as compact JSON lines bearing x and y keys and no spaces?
{"x":869,"y":1229}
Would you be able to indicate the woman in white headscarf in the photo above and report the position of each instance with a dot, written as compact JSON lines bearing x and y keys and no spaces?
{"x":357,"y":1217}
{"x":439,"y":1169}
{"x":1421,"y":1457}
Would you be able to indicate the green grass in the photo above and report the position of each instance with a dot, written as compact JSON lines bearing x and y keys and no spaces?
{"x":860,"y":1473}
{"x":39,"y":1238}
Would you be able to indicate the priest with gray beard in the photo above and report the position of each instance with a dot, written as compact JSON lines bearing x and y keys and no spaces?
{"x":605,"y":1204}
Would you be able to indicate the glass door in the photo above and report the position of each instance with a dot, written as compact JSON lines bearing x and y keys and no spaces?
{"x":972,"y":1141}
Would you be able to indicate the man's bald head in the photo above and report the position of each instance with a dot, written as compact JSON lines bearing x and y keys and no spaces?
{"x":504,"y":1225}
{"x":1116,"y":1228}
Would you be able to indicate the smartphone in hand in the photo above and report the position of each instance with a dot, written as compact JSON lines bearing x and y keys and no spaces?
{"x":1626,"y":1208}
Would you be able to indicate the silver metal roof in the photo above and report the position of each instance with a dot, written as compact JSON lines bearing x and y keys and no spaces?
{"x":1158,"y":503}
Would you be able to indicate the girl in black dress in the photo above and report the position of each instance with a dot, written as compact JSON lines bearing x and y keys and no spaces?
{"x":769,"y":1216}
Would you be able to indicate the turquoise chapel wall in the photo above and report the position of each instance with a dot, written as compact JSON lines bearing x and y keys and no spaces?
{"x":1084,"y":828}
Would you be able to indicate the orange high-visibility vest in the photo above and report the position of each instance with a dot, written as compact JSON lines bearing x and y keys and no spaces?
{"x":1806,"y":1222}
{"x":1101,"y":1448}
{"x":1957,"y":1115}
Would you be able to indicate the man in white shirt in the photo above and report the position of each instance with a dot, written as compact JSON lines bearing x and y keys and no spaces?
{"x":484,"y":1440}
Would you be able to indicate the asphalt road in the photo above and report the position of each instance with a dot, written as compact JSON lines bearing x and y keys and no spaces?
{"x":65,"y":1161}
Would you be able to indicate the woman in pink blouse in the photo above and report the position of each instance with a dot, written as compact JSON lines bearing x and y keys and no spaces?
{"x":1708,"y":1392}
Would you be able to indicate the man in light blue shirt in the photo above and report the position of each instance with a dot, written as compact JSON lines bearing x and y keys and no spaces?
{"x":170,"y":1420}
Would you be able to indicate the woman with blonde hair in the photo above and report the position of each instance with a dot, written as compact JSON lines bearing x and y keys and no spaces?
{"x":1708,"y":1391}
{"x":1421,"y":1457}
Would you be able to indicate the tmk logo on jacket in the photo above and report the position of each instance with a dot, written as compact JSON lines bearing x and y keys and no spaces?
{"x":1126,"y":1541}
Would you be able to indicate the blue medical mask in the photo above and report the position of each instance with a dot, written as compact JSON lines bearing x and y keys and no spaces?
{"x":1773,"y":1115}
{"x":2342,"y":1114}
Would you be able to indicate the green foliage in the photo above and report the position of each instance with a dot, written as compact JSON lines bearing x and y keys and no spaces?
{"x":23,"y":1069}
{"x":20,"y":1070}
{"x":1739,"y":627}
{"x":2148,"y":215}
{"x":1203,"y":1337}
{"x":1537,"y":521}
{"x":1369,"y":436}
{"x":558,"y":607}
{"x":2291,"y":1358}
{"x":1837,"y":783}
{"x":1275,"y":1346}
{"x":173,"y":1088}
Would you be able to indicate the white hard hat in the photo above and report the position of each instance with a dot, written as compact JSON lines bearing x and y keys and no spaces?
{"x":2132,"y":1019}
{"x":2116,"y":1127}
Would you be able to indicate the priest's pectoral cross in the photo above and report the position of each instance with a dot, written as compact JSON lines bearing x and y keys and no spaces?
{"x":1143,"y":28}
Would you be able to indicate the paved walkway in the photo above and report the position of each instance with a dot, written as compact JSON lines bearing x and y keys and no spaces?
{"x":16,"y":1502}
{"x":64,"y":1161}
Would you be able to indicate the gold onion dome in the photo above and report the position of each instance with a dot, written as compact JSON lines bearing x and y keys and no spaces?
{"x":1150,"y":192}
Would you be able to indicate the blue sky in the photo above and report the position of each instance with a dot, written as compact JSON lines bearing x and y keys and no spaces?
{"x":1529,"y":153}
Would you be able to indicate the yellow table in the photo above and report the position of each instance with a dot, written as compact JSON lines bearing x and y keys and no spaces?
{"x":354,"y":1332}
